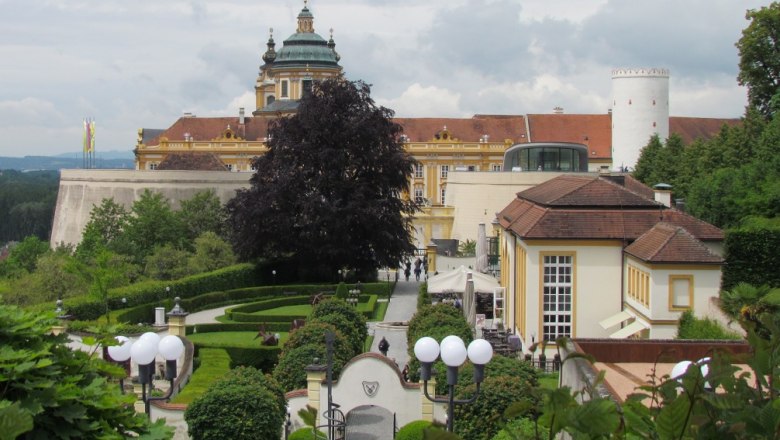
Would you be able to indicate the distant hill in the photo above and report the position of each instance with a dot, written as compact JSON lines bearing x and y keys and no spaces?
{"x":113,"y":154}
{"x":30,"y":163}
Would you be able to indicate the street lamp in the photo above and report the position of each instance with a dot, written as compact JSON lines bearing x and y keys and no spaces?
{"x":143,"y":352}
{"x":453,"y":353}
{"x":273,"y":272}
{"x":354,"y":295}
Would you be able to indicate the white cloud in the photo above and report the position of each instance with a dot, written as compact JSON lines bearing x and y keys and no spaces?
{"x":142,"y":63}
{"x":420,"y":101}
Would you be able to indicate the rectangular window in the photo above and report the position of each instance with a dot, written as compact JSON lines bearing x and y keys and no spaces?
{"x":680,"y":292}
{"x":496,"y":167}
{"x":557,"y":295}
{"x":285,"y":89}
{"x":306,"y":87}
{"x":419,"y":169}
{"x":445,"y":169}
{"x":443,"y":196}
{"x":230,"y":167}
{"x":152,"y":166}
{"x":639,"y":285}
{"x":418,"y":194}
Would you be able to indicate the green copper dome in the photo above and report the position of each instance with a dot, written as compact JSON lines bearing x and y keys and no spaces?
{"x":306,"y":48}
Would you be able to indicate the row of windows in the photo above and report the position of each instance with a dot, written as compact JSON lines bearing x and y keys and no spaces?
{"x":419,"y":196}
{"x":639,"y":286}
{"x":284,"y":86}
{"x":419,"y":170}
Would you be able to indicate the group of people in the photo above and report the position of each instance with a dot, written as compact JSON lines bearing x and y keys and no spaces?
{"x":420,"y":265}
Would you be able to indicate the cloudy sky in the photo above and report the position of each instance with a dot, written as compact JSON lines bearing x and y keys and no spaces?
{"x":142,"y":63}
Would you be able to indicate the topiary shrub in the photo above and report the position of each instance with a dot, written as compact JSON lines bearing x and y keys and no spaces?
{"x":290,"y":372}
{"x":342,"y":291}
{"x":348,"y":328}
{"x":495,"y":396}
{"x":413,"y":430}
{"x":331,"y":306}
{"x":423,"y":297}
{"x":247,"y":404}
{"x":308,"y":434}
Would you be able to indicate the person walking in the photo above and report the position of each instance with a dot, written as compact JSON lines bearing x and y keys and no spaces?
{"x":384,"y":346}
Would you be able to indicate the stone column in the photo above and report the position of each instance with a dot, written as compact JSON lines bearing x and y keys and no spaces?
{"x":177,"y":320}
{"x":430,"y":253}
{"x":315,"y":376}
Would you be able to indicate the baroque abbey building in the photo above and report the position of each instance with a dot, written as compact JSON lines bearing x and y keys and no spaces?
{"x":445,"y":148}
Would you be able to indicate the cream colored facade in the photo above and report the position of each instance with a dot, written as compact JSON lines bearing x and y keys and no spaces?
{"x":601,"y":289}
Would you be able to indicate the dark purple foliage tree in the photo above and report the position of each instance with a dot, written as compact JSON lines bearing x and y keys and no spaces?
{"x":328,"y":194}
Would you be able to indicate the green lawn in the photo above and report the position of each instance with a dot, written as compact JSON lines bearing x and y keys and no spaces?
{"x":230,"y":339}
{"x":548,"y":380}
{"x":296,"y":310}
{"x":215,"y":362}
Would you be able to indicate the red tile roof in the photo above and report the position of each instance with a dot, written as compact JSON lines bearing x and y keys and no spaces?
{"x":666,"y":243}
{"x":691,"y":129}
{"x":497,"y":127}
{"x":582,"y":191}
{"x":586,"y":207}
{"x":207,"y":129}
{"x":594,"y":131}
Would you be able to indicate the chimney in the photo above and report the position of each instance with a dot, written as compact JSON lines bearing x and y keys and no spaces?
{"x":558,"y":110}
{"x":241,"y":115}
{"x":663,"y":194}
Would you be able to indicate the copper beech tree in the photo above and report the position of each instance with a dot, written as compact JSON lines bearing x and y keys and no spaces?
{"x":328,"y":194}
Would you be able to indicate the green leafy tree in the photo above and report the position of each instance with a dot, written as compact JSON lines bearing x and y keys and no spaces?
{"x":202,"y":213}
{"x":759,"y":57}
{"x":106,"y":271}
{"x":107,"y":222}
{"x":152,"y":223}
{"x":25,"y":255}
{"x":167,"y":263}
{"x":211,"y":253}
{"x":48,"y":390}
{"x":329,"y":189}
{"x":27,"y":201}
{"x":243,"y":405}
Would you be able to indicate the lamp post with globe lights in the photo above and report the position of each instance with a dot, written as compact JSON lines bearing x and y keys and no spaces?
{"x":143,"y":352}
{"x":453,"y":353}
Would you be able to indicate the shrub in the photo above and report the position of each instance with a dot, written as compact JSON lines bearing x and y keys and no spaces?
{"x":496,"y":394}
{"x":350,"y":329}
{"x":342,"y":291}
{"x":307,"y":433}
{"x":329,"y":307}
{"x":413,"y":430}
{"x":290,"y":371}
{"x":691,"y":327}
{"x":521,"y":428}
{"x":751,"y":255}
{"x":247,"y":405}
{"x":423,"y":297}
{"x":314,"y":333}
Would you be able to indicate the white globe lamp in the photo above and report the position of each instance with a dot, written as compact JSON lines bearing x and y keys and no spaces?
{"x":121,"y":352}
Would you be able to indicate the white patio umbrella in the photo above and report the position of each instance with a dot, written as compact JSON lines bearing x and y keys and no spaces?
{"x":481,"y":249}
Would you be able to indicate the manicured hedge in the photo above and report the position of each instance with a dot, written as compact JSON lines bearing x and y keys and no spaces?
{"x":262,"y":358}
{"x":150,"y":292}
{"x":249,"y":312}
{"x":237,"y":327}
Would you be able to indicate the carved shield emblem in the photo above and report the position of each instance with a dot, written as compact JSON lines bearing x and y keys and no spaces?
{"x":370,"y":388}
